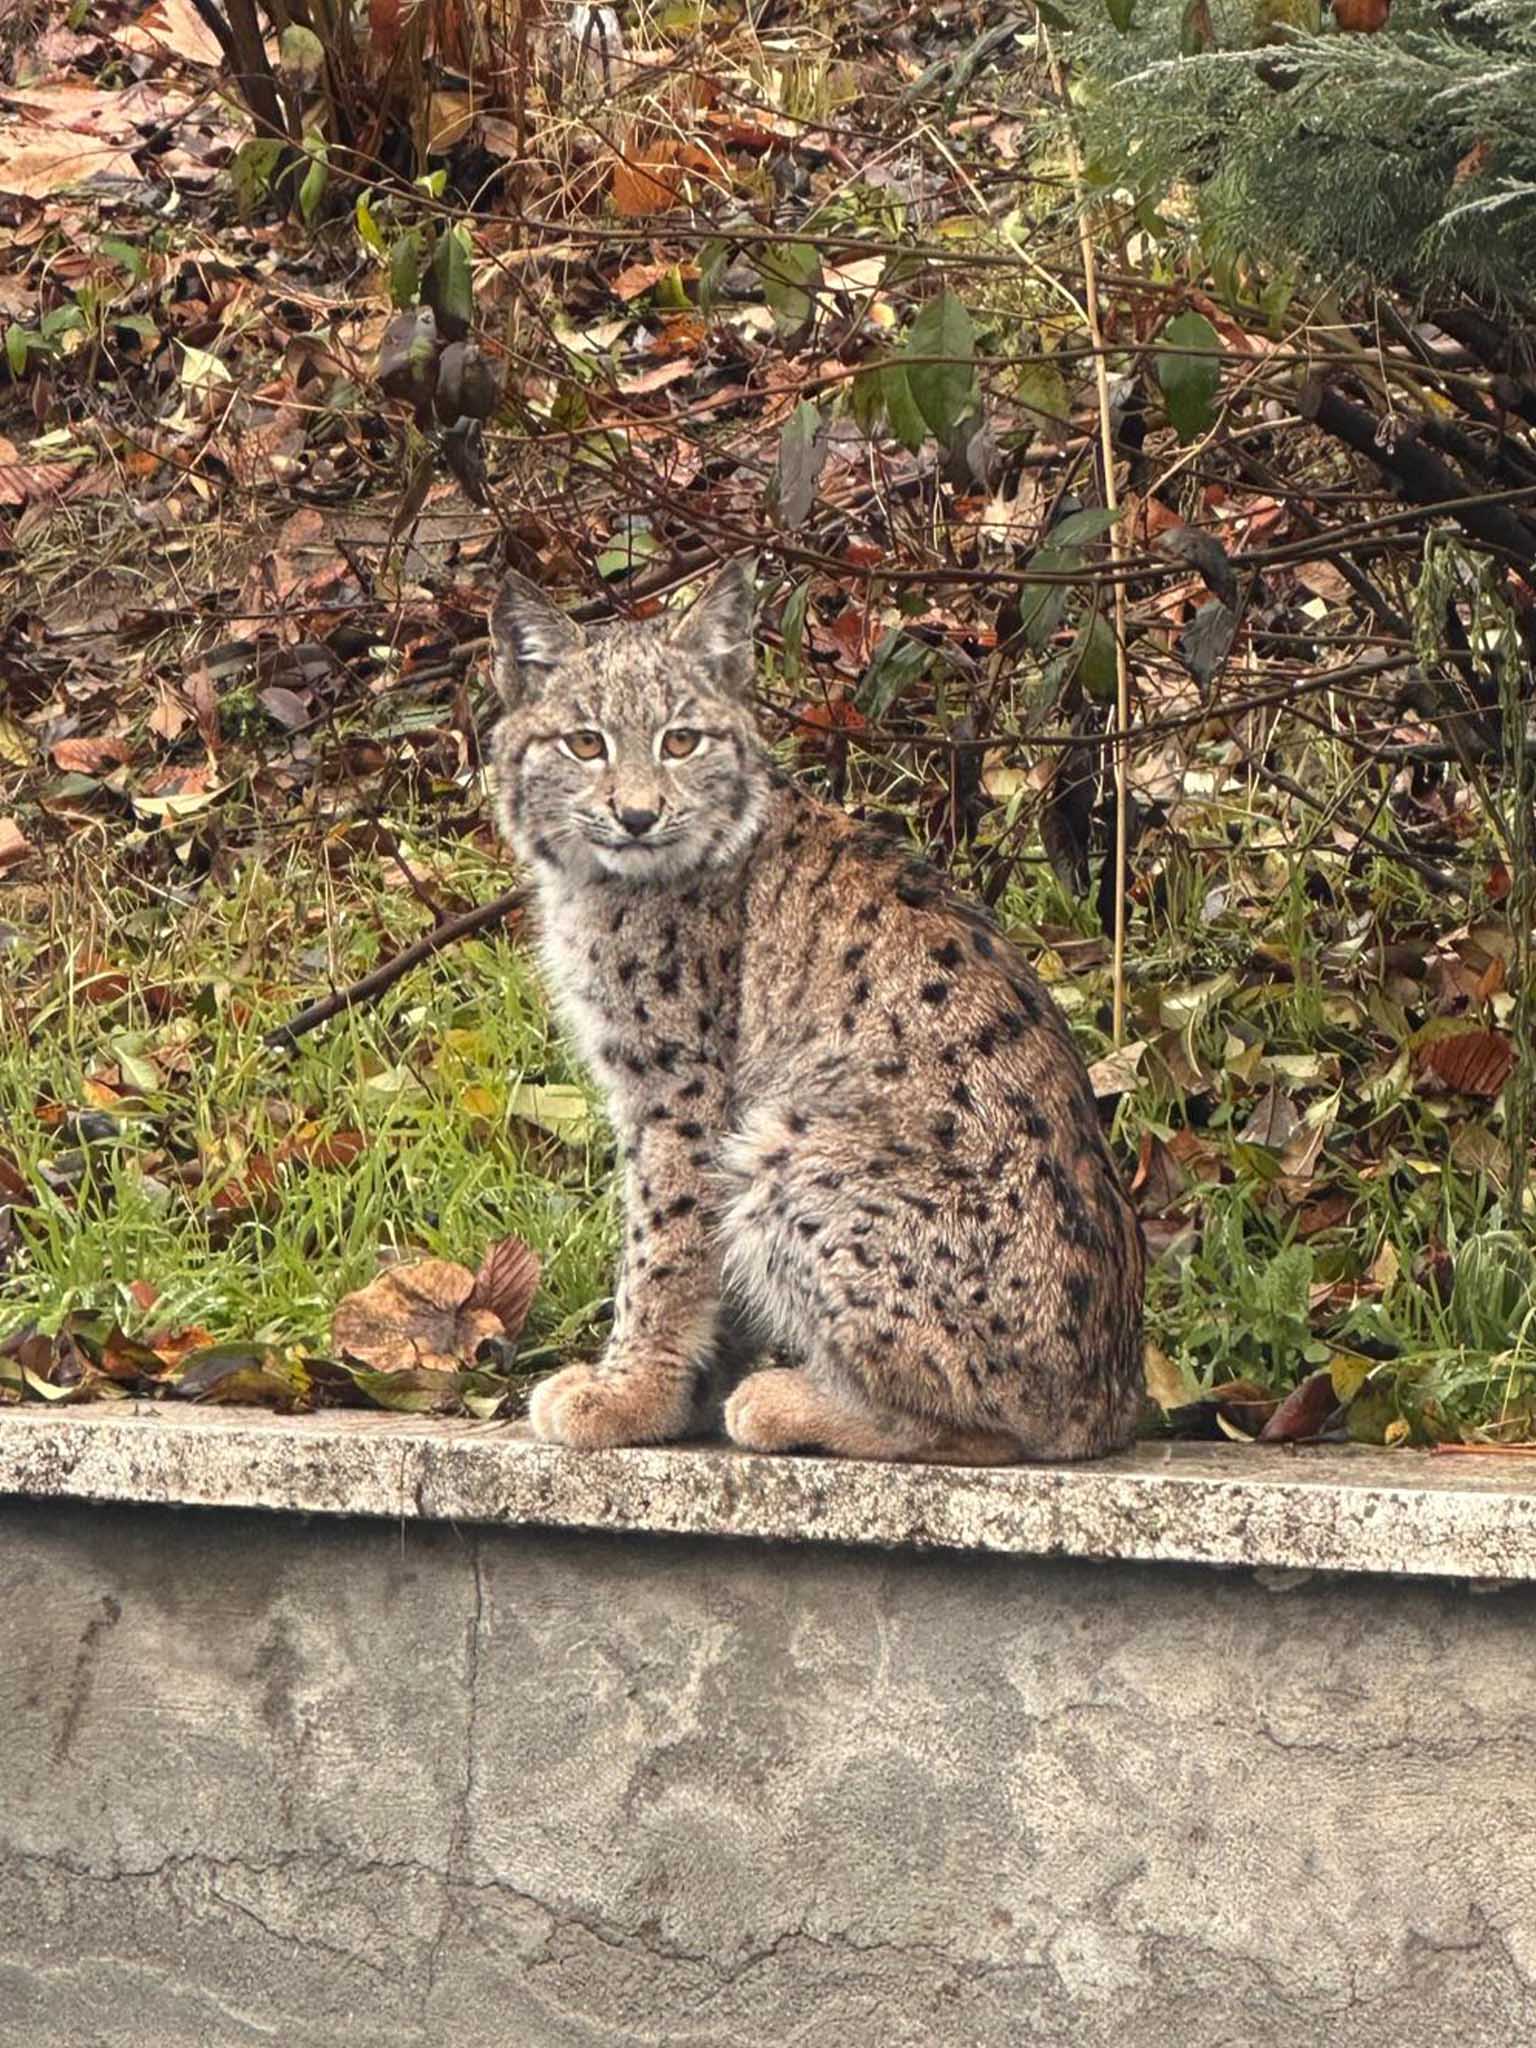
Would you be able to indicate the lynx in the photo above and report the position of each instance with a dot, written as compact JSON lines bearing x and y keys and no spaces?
{"x":860,"y":1150}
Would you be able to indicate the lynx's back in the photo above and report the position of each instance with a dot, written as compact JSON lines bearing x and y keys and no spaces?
{"x":855,"y":1131}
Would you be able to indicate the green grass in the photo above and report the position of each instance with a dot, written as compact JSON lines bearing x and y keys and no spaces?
{"x":248,"y":1188}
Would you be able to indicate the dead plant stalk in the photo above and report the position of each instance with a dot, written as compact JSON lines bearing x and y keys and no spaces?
{"x":1116,"y":536}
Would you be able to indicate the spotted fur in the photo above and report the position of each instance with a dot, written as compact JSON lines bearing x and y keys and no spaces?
{"x":855,"y":1133}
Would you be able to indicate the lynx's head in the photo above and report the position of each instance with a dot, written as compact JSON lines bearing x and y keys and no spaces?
{"x":628,"y":751}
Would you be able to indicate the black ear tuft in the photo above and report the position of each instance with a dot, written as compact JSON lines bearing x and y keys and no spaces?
{"x":528,"y":635}
{"x":718,"y":625}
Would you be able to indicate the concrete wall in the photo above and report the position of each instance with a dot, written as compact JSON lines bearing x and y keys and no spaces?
{"x":328,"y":1783}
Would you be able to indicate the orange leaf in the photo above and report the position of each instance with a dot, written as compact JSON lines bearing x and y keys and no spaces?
{"x":335,"y":1148}
{"x":836,"y":715}
{"x":174,"y":1347}
{"x":244,"y":1191}
{"x":1471,"y":1062}
{"x":648,"y":178}
{"x":639,"y":189}
{"x":88,"y":757}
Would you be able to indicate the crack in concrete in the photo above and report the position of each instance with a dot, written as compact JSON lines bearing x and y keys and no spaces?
{"x":309,"y":1942}
{"x":1160,"y":1948}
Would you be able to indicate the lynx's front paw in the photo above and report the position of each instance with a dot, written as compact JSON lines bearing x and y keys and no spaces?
{"x":595,"y":1411}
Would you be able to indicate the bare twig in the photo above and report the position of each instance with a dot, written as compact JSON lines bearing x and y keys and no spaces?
{"x":497,"y":911}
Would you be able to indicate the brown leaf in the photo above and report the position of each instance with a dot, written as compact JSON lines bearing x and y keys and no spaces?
{"x":14,"y":843}
{"x":1159,"y":1180}
{"x":251,"y":1188}
{"x":53,"y":159}
{"x":636,"y":278}
{"x":88,"y":757}
{"x":1471,"y":1062}
{"x":97,"y":981}
{"x":170,"y":716}
{"x":172,"y":1346}
{"x":641,"y":188}
{"x":204,"y":699}
{"x":418,"y":1316}
{"x":323,"y":1150}
{"x":123,"y":1358}
{"x":383,"y":29}
{"x":1273,"y":1120}
{"x":1324,"y":580}
{"x":242,"y":1374}
{"x":22,"y":483}
{"x":173,"y":25}
{"x":1362,"y":17}
{"x":506,"y":1283}
{"x":657,"y":378}
{"x":1168,"y":1384}
{"x":1326,"y":1212}
{"x":1243,"y":1403}
{"x":1303,"y":1411}
{"x":288,"y":707}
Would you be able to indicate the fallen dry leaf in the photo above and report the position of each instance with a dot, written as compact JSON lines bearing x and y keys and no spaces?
{"x":88,"y":757}
{"x":170,"y":716}
{"x":24,"y":483}
{"x":639,"y":382}
{"x":325,"y":1149}
{"x":176,"y":26}
{"x":650,"y":179}
{"x":38,"y":161}
{"x":14,"y":843}
{"x":636,"y":278}
{"x":1168,"y":1384}
{"x":1116,"y":1072}
{"x":1471,"y":1062}
{"x":420,"y":1316}
{"x":1303,"y":1411}
{"x":506,"y":1283}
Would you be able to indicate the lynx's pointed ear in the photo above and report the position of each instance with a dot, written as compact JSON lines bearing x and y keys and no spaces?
{"x":717,"y":627}
{"x":528,"y":636}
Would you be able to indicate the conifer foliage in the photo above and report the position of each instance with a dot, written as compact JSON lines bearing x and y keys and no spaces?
{"x":1390,"y":139}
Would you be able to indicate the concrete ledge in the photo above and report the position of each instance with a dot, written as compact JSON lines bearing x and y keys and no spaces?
{"x":1319,"y":1509}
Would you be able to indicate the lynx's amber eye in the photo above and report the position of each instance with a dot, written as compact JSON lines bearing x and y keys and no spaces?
{"x":585,"y":745}
{"x":680,"y":742}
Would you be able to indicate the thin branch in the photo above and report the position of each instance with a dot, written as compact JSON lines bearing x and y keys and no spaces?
{"x":285,"y":1036}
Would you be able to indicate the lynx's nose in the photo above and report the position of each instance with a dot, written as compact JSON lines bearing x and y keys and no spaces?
{"x":638,"y":823}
